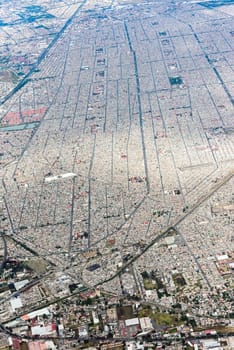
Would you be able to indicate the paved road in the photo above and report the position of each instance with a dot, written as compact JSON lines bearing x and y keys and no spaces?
{"x":42,"y":56}
{"x":2,"y":263}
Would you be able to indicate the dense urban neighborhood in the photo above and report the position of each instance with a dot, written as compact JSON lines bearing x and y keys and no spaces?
{"x":116,"y":174}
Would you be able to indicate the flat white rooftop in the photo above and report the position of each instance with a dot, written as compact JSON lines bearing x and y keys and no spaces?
{"x":59,"y":177}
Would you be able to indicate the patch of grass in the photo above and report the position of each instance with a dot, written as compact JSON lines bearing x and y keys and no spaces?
{"x":224,"y":330}
{"x":176,"y":80}
{"x":160,"y":318}
{"x":145,"y":311}
{"x":14,"y":77}
{"x":163,"y":319}
{"x":149,"y":285}
{"x":179,"y":280}
{"x":37,"y":265}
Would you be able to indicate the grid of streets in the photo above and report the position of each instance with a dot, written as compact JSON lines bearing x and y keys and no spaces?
{"x":118,"y":151}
